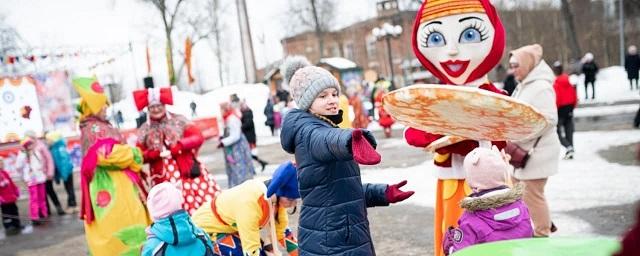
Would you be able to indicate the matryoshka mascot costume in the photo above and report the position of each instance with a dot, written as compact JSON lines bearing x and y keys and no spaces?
{"x":459,"y":42}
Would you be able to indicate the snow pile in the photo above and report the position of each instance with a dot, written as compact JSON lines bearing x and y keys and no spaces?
{"x":339,"y":63}
{"x":207,"y":105}
{"x":611,"y":86}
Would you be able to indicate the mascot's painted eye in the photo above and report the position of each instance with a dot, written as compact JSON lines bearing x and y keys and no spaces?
{"x":434,"y":39}
{"x":474,"y":33}
{"x":470,"y":35}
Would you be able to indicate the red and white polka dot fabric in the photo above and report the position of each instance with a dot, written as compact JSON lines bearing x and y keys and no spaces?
{"x":194,"y":191}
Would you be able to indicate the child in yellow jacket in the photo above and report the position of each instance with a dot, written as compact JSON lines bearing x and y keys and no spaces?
{"x":236,"y":216}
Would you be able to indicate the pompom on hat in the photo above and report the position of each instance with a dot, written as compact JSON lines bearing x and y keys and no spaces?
{"x":164,"y":199}
{"x":485,"y":169}
{"x":284,"y":182}
{"x":306,"y":81}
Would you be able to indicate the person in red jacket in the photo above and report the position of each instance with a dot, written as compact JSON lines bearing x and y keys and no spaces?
{"x":566,"y":101}
{"x":170,"y":145}
{"x":9,"y":194}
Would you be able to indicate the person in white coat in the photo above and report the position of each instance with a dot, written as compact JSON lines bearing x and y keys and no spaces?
{"x":237,"y":154}
{"x":535,"y":87}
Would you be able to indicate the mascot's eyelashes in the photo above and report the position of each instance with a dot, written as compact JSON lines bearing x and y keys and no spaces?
{"x":431,"y":38}
{"x":474,"y":33}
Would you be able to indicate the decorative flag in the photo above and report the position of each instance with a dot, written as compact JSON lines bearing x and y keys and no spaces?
{"x":187,"y":60}
{"x":148,"y":62}
{"x":91,"y":92}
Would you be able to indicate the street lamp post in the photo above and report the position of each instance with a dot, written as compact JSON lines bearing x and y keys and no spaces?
{"x":386,"y":32}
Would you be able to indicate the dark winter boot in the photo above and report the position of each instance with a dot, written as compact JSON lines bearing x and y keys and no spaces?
{"x":263,"y":165}
{"x":569,"y":154}
{"x":60,"y":210}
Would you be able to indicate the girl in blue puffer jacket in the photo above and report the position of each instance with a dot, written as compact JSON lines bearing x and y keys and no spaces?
{"x":172,"y":231}
{"x":333,"y":217}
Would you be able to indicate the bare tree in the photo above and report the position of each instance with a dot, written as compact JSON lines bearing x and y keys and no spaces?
{"x":9,"y":38}
{"x":571,"y":30}
{"x":198,"y":26}
{"x":169,"y":16}
{"x":316,"y":15}
{"x":11,"y":43}
{"x":216,"y":10}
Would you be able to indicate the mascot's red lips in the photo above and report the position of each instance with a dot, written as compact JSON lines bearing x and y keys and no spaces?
{"x":455,"y":68}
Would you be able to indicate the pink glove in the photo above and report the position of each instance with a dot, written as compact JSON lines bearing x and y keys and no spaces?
{"x":361,"y":148}
{"x":394,"y":194}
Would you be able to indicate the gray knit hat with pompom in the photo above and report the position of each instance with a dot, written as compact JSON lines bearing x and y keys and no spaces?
{"x":306,"y":81}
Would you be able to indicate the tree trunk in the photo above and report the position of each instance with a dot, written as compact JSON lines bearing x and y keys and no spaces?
{"x":170,"y":67}
{"x":168,"y":28}
{"x":218,"y":53}
{"x":318,"y":29}
{"x":576,"y":53}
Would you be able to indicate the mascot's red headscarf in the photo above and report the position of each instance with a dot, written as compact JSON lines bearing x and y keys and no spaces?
{"x":432,"y":11}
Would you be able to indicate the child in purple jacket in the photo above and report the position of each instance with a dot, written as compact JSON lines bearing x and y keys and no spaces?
{"x":494,"y":211}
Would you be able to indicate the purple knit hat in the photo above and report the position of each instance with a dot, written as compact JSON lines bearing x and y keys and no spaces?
{"x":485,"y":169}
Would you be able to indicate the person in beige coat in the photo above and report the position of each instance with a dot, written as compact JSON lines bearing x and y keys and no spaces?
{"x":536,"y":88}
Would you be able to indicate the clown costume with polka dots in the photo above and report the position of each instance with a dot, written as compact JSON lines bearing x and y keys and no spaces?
{"x":170,"y":144}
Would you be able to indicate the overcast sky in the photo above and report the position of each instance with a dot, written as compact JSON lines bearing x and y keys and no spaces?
{"x":78,"y":24}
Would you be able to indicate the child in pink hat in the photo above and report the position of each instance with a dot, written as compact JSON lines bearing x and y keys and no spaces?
{"x":494,"y":211}
{"x":172,"y":231}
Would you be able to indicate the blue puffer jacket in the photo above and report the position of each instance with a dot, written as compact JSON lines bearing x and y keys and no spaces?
{"x":333,"y":218}
{"x":61,"y":160}
{"x":177,"y":235}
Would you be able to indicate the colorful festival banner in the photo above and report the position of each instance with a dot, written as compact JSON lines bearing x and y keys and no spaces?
{"x":54,"y":96}
{"x":20,"y":108}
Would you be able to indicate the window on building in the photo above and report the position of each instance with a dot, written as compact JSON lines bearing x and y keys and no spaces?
{"x":335,"y":51}
{"x":348,"y":51}
{"x":371,"y":47}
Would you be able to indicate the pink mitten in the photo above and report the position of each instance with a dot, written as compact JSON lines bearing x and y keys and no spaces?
{"x":363,"y":151}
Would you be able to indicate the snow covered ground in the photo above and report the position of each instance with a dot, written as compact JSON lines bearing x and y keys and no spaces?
{"x":587,"y":181}
{"x":611,"y":86}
